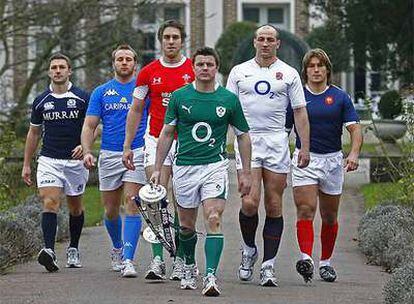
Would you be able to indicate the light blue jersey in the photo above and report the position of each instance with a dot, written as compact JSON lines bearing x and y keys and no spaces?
{"x":111,"y":102}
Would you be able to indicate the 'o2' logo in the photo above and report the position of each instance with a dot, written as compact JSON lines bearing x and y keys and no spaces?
{"x":207,"y":137}
{"x":262,"y":87}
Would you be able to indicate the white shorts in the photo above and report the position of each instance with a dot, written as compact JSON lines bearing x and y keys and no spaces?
{"x":112,"y":172}
{"x":150,"y":151}
{"x":325,"y":170}
{"x":69,"y":174}
{"x":194,"y":184}
{"x":269,"y":151}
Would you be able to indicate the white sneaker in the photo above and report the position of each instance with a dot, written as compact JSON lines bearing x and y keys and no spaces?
{"x":156,"y":270}
{"x":267,"y":277}
{"x":116,"y":259}
{"x":177,"y":269}
{"x":73,"y":258}
{"x":210,"y":288}
{"x":247,"y":265}
{"x":189,"y":280}
{"x":47,"y":258}
{"x":128,"y":270}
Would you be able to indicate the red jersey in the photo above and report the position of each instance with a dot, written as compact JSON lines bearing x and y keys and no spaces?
{"x":162,"y":80}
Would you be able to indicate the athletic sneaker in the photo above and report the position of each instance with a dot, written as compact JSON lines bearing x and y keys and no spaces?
{"x":189,"y":279}
{"x":47,"y":258}
{"x":267,"y":276}
{"x":156,"y":270}
{"x":116,"y":259}
{"x":210,"y":288}
{"x":305,"y":269}
{"x":73,"y":258}
{"x":177,"y":269}
{"x":246,"y":266}
{"x":327,"y":273}
{"x":128,"y":270}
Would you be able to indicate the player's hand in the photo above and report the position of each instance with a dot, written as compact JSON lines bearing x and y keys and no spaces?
{"x":128,"y":159}
{"x":155,"y":178}
{"x":89,"y":160}
{"x":351,"y":162}
{"x":245,"y":182}
{"x":77,"y":152}
{"x":26,"y":173}
{"x":303,"y":159}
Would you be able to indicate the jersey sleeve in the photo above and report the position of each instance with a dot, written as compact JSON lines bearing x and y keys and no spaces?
{"x":94,"y":106}
{"x":171,"y":113}
{"x":36,"y":118}
{"x":232,"y":82}
{"x":237,"y":119}
{"x":296,"y":94}
{"x":142,"y":84}
{"x":350,"y":116}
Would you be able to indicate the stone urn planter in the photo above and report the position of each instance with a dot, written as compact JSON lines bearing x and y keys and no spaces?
{"x":389,"y":130}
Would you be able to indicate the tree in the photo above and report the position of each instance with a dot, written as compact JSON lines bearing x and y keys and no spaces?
{"x":379,"y":32}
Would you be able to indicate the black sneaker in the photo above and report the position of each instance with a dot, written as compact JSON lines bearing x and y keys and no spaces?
{"x":47,"y":258}
{"x":327,"y":273}
{"x":305,"y":269}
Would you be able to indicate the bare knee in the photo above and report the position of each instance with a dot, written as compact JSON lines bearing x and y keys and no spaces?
{"x":329,"y":218}
{"x":273,"y":208}
{"x":305,"y":212}
{"x":50,"y":203}
{"x":214,"y":222}
{"x":250,"y":205}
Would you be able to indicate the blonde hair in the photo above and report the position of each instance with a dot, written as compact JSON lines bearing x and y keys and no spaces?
{"x":324,"y":59}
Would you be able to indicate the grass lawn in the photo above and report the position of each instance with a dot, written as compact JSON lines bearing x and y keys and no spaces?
{"x":93,"y":206}
{"x":375,"y":193}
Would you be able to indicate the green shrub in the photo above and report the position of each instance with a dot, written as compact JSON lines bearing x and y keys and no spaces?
{"x":390,"y":105}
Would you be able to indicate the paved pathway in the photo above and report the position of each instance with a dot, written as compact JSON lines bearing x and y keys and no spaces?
{"x":357,"y":283}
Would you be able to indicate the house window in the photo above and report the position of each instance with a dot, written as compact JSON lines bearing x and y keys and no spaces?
{"x":251,"y":14}
{"x":275,"y":15}
{"x":172,"y":13}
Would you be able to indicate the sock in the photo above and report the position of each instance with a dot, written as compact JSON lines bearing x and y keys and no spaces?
{"x":272,"y":233}
{"x":132,"y":230}
{"x":179,"y":253}
{"x":188,"y":242}
{"x":248,"y":227}
{"x":304,"y":232}
{"x":157,"y":251}
{"x":49,"y":227}
{"x":75,"y":228}
{"x":328,"y":238}
{"x":114,"y":228}
{"x":213,"y":248}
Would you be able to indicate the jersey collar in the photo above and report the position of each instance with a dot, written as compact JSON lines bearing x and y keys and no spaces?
{"x":216,"y":85}
{"x":69,"y":87}
{"x":326,"y":89}
{"x":173,"y":65}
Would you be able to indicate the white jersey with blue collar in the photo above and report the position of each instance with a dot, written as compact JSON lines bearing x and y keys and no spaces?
{"x":265,"y":93}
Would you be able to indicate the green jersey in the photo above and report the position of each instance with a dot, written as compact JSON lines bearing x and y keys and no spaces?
{"x":201,"y":121}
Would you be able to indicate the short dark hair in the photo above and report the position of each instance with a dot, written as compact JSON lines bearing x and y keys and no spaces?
{"x":60,"y":56}
{"x":124,"y":47}
{"x":324,"y":59}
{"x":270,"y":25}
{"x":206,"y":51}
{"x":171,"y":23}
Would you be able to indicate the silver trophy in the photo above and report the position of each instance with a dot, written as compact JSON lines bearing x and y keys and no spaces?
{"x":152,"y":203}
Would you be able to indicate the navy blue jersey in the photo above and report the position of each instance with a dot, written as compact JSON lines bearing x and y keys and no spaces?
{"x":61,"y":116}
{"x":328,"y":112}
{"x":111,"y":102}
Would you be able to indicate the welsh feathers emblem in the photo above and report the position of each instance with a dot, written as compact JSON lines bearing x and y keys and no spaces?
{"x":220,"y":111}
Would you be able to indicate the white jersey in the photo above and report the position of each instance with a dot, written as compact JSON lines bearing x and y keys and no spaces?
{"x":265,"y":93}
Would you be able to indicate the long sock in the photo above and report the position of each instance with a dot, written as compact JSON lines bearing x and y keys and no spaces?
{"x":132,"y":231}
{"x":157,"y":251}
{"x":304,"y":232}
{"x":248,"y":227}
{"x":272,"y":233}
{"x":328,"y":238}
{"x":75,"y":228}
{"x":114,"y":228}
{"x":212,"y":249}
{"x":49,"y":227}
{"x":180,"y":253}
{"x":188,"y":242}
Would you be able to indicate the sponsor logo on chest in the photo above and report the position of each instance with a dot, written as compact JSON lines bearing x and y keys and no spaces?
{"x":61,"y":115}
